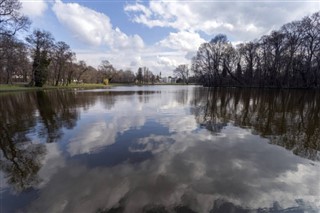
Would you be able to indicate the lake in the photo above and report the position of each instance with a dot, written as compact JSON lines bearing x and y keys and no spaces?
{"x":160,"y":149}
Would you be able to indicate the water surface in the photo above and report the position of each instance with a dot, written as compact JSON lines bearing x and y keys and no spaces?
{"x":160,"y":149}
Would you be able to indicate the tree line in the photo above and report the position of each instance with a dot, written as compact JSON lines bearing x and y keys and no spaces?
{"x":40,"y":60}
{"x":286,"y":58}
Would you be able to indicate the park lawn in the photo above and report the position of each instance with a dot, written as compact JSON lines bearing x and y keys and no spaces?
{"x":23,"y":87}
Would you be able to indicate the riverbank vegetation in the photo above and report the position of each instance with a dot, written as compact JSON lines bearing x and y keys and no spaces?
{"x":26,"y":87}
{"x":286,"y":58}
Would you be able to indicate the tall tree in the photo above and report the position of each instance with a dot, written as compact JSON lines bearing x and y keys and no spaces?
{"x":140,"y":76}
{"x":249,"y":53}
{"x":182,"y":71}
{"x":311,"y":39}
{"x":14,"y":63}
{"x":41,"y":43}
{"x":107,"y":70}
{"x":62,"y":57}
{"x":81,"y":68}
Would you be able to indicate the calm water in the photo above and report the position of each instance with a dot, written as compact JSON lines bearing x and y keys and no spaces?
{"x":160,"y":149}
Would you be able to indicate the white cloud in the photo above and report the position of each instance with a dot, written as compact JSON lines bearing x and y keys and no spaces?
{"x":124,"y":51}
{"x":93,"y":27}
{"x":183,"y":40}
{"x":167,"y":61}
{"x":238,"y":19}
{"x":34,"y":8}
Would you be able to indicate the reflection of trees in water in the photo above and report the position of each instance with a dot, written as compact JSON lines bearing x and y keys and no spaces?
{"x":182,"y":96}
{"x":289,"y":118}
{"x":57,"y":110}
{"x":20,"y":157}
{"x":144,"y":96}
{"x":206,"y":112}
{"x":219,"y":206}
{"x":44,"y":114}
{"x":109,"y":98}
{"x":20,"y":160}
{"x":21,"y":163}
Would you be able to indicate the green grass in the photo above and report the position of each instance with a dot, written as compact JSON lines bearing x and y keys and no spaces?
{"x":24,"y":87}
{"x":15,"y":87}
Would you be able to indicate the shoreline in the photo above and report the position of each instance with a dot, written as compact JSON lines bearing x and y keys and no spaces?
{"x":23,"y":88}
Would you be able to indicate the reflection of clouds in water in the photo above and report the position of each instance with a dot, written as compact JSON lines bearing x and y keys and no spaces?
{"x":81,"y":190}
{"x":244,"y":170}
{"x":179,"y":123}
{"x":127,"y":113}
{"x":103,"y":133}
{"x":170,"y":105}
{"x":192,"y":170}
{"x":52,"y":162}
{"x":189,"y":167}
{"x":96,"y":135}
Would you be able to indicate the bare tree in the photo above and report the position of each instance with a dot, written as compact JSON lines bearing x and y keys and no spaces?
{"x":14,"y":64}
{"x":91,"y":75}
{"x":81,"y":68}
{"x":11,"y":20}
{"x":107,"y":70}
{"x":249,"y":53}
{"x":182,"y":71}
{"x":61,"y":59}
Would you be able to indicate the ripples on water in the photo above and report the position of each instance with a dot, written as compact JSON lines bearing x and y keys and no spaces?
{"x":160,"y":149}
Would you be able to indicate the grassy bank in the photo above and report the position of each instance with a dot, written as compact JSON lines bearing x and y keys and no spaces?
{"x":23,"y":87}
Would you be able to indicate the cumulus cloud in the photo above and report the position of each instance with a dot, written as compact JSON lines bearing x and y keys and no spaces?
{"x":125,"y":51}
{"x":167,"y":61}
{"x":93,"y":27}
{"x":240,"y":20}
{"x":183,"y":40}
{"x":34,"y":8}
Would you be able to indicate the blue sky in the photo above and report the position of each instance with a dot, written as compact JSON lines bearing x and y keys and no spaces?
{"x":159,"y":34}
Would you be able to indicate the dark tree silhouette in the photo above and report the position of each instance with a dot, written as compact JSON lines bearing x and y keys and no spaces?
{"x":41,"y":43}
{"x":287,"y":58}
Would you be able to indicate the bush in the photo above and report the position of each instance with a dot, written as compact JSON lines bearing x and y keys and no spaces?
{"x":106,"y":81}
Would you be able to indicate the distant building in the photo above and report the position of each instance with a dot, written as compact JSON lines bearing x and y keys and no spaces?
{"x":168,"y":80}
{"x":164,"y":80}
{"x":173,"y":80}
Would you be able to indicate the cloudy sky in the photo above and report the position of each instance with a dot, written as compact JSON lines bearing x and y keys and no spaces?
{"x":159,"y":34}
